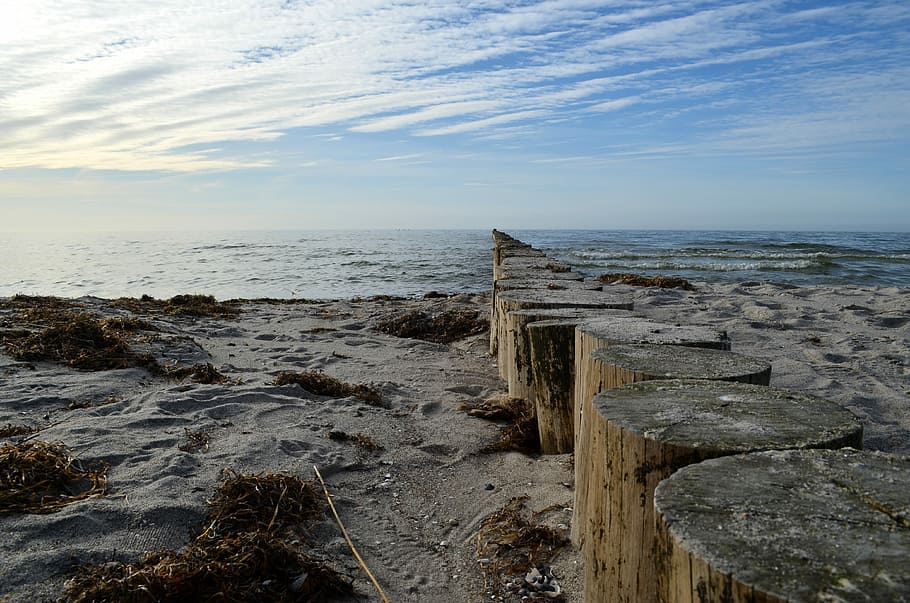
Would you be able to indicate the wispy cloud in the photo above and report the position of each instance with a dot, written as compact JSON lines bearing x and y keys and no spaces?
{"x":400,"y":157}
{"x":145,"y":86}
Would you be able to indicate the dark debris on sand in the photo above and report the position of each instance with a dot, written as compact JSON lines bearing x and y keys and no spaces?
{"x":203,"y":373}
{"x":253,"y":547}
{"x":637,"y":280}
{"x":77,"y":339}
{"x":179,"y":305}
{"x":437,"y":327}
{"x":42,"y":477}
{"x":520,"y":432}
{"x":513,"y":540}
{"x":59,"y":331}
{"x":319,"y":383}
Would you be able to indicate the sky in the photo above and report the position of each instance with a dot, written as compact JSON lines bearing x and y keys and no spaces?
{"x":284,"y":114}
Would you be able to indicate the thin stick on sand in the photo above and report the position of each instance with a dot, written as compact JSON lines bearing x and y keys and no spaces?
{"x":360,"y":560}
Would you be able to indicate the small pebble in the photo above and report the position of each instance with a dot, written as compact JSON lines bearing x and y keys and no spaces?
{"x":488,"y":486}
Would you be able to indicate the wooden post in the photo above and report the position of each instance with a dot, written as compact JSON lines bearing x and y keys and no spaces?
{"x":796,"y":525}
{"x":526,"y":299}
{"x":517,"y":356}
{"x":552,"y":360}
{"x":591,"y":377}
{"x":642,"y":433}
{"x":543,"y":265}
{"x":630,"y":363}
{"x":543,"y":280}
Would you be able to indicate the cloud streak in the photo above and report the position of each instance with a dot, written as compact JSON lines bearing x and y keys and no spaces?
{"x":145,"y":86}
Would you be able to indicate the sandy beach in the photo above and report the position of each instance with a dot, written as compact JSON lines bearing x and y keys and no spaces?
{"x":414,"y":500}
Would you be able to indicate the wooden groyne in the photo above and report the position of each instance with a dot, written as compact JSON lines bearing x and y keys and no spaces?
{"x":679,"y":443}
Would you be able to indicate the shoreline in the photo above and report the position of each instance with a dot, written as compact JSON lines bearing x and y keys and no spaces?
{"x":414,"y":506}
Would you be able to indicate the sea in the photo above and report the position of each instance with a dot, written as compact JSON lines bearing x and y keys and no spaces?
{"x":333,"y":264}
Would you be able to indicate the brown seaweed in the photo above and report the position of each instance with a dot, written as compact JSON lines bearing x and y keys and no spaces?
{"x":440,"y":327}
{"x":520,"y":433}
{"x":321,"y":384}
{"x":511,"y":541}
{"x":41,"y":477}
{"x":203,"y":373}
{"x":637,"y":280}
{"x":250,"y":549}
{"x":358,"y":439}
{"x":79,"y":340}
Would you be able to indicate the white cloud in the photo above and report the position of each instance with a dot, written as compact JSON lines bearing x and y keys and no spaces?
{"x":615,"y":105}
{"x":146,"y":85}
{"x":481,"y":124}
{"x":400,"y":157}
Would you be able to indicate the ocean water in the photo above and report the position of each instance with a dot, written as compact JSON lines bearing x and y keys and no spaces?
{"x":343,"y":264}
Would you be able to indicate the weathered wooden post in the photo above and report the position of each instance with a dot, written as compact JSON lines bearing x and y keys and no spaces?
{"x":532,"y":279}
{"x":552,"y":360}
{"x":785,"y":526}
{"x":517,"y":356}
{"x":591,"y":377}
{"x":642,"y":433}
{"x":630,"y":363}
{"x":525,"y":299}
{"x":603,"y":332}
{"x":542,"y":264}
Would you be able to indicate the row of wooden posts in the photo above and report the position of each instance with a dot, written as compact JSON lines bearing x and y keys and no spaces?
{"x":770,"y":499}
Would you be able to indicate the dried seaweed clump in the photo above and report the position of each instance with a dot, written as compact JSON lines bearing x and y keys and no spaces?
{"x":11,"y":431}
{"x":198,"y":373}
{"x":321,"y":384}
{"x":41,"y":477}
{"x":179,"y":305}
{"x":79,"y":340}
{"x":358,"y":439}
{"x":441,"y":327}
{"x":199,"y":305}
{"x":520,"y":433}
{"x":637,"y":280}
{"x":127,"y":324}
{"x":251,"y":549}
{"x":511,"y":541}
{"x":37,"y":307}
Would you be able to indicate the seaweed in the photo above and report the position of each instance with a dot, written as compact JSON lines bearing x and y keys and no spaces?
{"x":179,"y":305}
{"x":42,"y":477}
{"x":321,"y":384}
{"x":358,"y":439}
{"x":198,"y":373}
{"x":520,"y":433}
{"x":637,"y":280}
{"x":79,"y":340}
{"x":511,"y":541}
{"x":270,"y":502}
{"x":249,"y":550}
{"x":10,"y":431}
{"x":245,"y":567}
{"x":441,"y":327}
{"x":199,"y":305}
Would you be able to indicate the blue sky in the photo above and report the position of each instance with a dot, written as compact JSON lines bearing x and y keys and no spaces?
{"x":441,"y":114}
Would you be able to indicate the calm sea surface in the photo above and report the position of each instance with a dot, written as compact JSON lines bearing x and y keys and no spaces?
{"x":340,"y":264}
